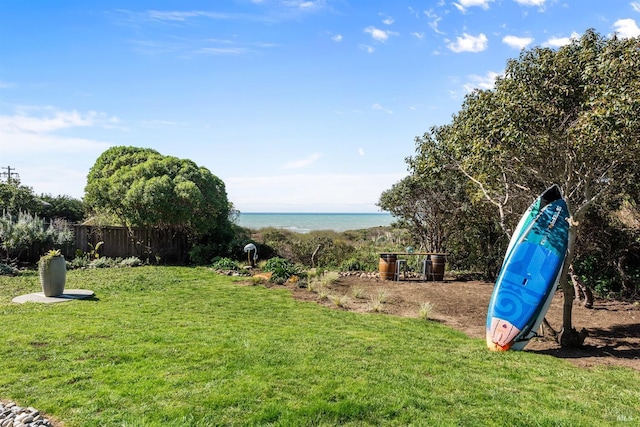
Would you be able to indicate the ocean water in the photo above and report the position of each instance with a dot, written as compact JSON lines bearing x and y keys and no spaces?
{"x":306,"y":222}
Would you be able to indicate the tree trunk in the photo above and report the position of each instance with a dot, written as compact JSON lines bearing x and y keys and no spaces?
{"x":624,"y":277}
{"x":582,"y":292}
{"x":313,"y":256}
{"x":569,"y":337}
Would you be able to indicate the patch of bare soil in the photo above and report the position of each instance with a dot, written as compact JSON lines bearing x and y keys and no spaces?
{"x":613,"y":326}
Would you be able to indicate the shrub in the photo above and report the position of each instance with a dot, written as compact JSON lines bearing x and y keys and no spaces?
{"x":78,"y":262}
{"x":20,"y":232}
{"x":104,"y":262}
{"x":351,"y":264}
{"x":224,"y":264}
{"x":132,"y":261}
{"x":8,"y":270}
{"x":281,"y":269}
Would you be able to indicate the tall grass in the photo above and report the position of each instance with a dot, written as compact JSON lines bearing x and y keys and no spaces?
{"x":185,"y":347}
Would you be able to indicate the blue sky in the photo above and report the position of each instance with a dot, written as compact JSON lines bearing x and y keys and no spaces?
{"x":297,"y":105}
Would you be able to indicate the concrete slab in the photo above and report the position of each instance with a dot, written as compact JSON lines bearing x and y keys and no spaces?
{"x":68,"y":295}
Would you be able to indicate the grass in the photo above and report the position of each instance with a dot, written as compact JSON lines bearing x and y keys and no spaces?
{"x":425,"y":310}
{"x":170,"y":346}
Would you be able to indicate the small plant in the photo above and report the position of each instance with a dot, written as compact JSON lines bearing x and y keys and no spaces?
{"x":357,"y":292}
{"x":381,"y":295}
{"x":92,"y":253}
{"x":329,"y":277}
{"x":426,"y":308}
{"x":46,"y":258}
{"x":339,"y":300}
{"x":323,"y":292}
{"x":376,"y":302}
{"x":93,"y":250}
{"x":302,"y":283}
{"x":132,"y":261}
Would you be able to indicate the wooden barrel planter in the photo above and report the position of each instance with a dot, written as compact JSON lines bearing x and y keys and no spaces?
{"x":387,"y":266}
{"x":437,"y":267}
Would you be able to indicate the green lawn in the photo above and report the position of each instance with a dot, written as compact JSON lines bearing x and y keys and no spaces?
{"x":171,"y":346}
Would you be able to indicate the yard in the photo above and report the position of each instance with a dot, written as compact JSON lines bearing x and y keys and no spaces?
{"x":173,"y":346}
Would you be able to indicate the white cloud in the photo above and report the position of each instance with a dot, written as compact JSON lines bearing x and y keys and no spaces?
{"x":539,"y":3}
{"x":40,"y":143}
{"x":636,"y":6}
{"x":361,"y":151}
{"x":417,"y":35}
{"x":626,"y":28}
{"x":22,"y":133}
{"x":337,"y":38}
{"x":517,"y":42}
{"x":302,"y":163}
{"x":176,"y":16}
{"x":463,"y":5}
{"x":561,"y":41}
{"x":469,"y":43}
{"x":485,"y":82}
{"x":51,"y":119}
{"x":387,"y":20}
{"x":378,"y":34}
{"x":433,"y":20}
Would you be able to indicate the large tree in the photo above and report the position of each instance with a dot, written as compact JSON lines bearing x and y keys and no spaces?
{"x":569,"y":116}
{"x":143,"y":188}
{"x":15,"y":198}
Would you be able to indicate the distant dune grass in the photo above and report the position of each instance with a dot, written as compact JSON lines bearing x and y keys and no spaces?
{"x":173,"y":346}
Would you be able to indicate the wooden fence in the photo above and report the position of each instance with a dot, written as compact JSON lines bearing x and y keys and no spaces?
{"x":155,"y":245}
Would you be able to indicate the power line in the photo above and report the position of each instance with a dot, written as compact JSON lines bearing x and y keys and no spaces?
{"x":10,"y":174}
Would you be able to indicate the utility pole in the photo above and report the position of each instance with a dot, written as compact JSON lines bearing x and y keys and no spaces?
{"x":10,"y":174}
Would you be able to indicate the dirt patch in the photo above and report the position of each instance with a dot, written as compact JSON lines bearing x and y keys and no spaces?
{"x":613,"y":326}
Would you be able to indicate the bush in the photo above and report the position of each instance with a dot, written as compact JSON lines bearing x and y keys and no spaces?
{"x":281,"y":269}
{"x":225,"y":264}
{"x":351,"y":264}
{"x":7,"y":270}
{"x":104,"y":262}
{"x":78,"y":262}
{"x":132,"y":261}
{"x":20,"y":232}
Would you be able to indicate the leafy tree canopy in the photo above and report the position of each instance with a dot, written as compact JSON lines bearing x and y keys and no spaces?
{"x":566,"y":116}
{"x":65,"y":207}
{"x":569,"y":116}
{"x":144,"y":188}
{"x":15,"y":198}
